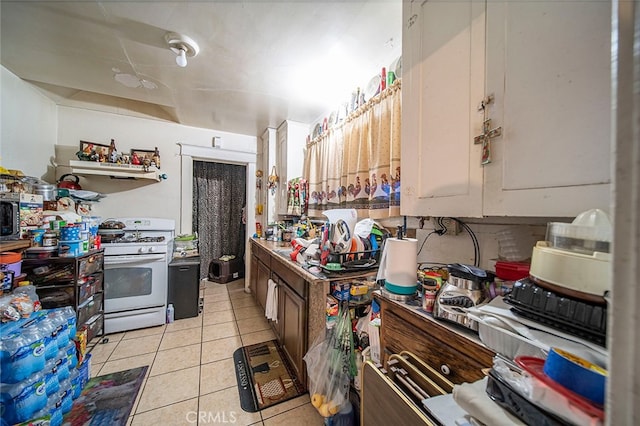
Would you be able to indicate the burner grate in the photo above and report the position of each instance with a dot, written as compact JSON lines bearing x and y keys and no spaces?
{"x":136,"y":240}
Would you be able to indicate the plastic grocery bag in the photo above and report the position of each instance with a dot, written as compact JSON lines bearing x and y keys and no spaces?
{"x":331,"y":365}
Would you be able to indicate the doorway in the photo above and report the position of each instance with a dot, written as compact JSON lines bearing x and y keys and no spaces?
{"x":219,"y":198}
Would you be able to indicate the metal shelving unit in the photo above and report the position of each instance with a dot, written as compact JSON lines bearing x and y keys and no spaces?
{"x":72,"y":281}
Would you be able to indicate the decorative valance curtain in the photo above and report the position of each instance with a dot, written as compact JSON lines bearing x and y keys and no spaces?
{"x":357,"y":164}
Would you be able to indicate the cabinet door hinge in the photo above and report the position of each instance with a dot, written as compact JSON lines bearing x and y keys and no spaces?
{"x":412,"y":20}
{"x":486,"y":101}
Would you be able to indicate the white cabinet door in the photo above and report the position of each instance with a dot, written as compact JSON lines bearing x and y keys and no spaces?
{"x":442,"y":84}
{"x":548,"y":66}
{"x":281,"y":168}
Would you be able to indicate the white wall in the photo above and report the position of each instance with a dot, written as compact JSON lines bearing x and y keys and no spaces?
{"x":28,"y":126}
{"x":139,"y":197}
{"x":496,"y":238}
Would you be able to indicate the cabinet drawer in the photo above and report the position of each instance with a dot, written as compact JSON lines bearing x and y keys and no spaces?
{"x":262,"y":254}
{"x":88,"y":286}
{"x":89,"y":308}
{"x":90,"y":264}
{"x":293,"y":280}
{"x":400,"y":335}
{"x":94,"y":326}
{"x":55,"y":297}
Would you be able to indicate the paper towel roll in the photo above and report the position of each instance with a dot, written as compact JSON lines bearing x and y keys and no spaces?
{"x":398,"y":265}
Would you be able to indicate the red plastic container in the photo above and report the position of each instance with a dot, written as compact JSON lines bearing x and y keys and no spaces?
{"x":512,"y":271}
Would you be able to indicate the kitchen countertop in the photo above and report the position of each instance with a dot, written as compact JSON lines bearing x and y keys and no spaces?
{"x":312,"y":277}
{"x":415,"y":306}
{"x":14,"y":245}
{"x":191,"y":260}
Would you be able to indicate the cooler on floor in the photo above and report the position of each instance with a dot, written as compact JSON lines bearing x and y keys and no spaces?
{"x":223,"y":271}
{"x":184,"y":286}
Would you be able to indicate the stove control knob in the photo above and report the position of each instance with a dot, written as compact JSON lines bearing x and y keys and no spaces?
{"x":141,"y":250}
{"x":152,"y":249}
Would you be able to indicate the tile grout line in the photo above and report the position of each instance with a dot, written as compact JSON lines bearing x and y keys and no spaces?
{"x":164,"y":333}
{"x":146,"y":379}
{"x":204,"y":295}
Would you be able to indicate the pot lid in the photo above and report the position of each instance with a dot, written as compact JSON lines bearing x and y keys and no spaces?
{"x":43,"y":186}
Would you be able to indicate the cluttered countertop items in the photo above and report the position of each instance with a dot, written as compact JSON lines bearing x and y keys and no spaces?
{"x":547,"y":327}
{"x":340,"y":245}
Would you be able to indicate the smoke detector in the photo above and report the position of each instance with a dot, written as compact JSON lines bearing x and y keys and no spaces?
{"x":183,"y":46}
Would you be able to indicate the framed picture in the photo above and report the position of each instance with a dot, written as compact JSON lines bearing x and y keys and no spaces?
{"x":139,"y":156}
{"x":92,"y":151}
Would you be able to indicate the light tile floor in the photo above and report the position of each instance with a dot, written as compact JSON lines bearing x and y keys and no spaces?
{"x":191,"y":376}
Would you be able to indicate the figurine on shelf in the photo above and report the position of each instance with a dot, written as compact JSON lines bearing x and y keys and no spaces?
{"x":126,"y":159}
{"x":88,"y":153}
{"x":113,"y":153}
{"x":146,"y":162}
{"x":156,"y":158}
{"x":135,"y":159}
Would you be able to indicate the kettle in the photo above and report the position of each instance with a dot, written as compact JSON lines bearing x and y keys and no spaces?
{"x":464,"y":289}
{"x":67,"y":184}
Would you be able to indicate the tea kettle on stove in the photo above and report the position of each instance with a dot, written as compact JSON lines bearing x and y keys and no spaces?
{"x":464,"y":289}
{"x":69,"y":184}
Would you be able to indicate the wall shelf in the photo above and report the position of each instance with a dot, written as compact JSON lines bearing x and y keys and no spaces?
{"x":122,"y":171}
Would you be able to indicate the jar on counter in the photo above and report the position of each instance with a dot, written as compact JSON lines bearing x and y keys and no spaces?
{"x":429,"y":296}
{"x":49,"y":239}
{"x":36,"y":237}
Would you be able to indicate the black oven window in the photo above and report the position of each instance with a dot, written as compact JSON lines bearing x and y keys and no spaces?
{"x":127,"y":282}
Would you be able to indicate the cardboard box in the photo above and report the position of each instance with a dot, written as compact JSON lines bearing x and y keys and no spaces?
{"x":31,"y":206}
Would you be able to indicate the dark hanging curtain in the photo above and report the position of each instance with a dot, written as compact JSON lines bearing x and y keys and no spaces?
{"x":219,"y":193}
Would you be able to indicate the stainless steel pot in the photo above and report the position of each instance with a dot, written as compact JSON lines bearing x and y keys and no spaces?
{"x":47,"y":190}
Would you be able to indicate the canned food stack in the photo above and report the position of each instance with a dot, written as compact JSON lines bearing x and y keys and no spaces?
{"x":63,"y":239}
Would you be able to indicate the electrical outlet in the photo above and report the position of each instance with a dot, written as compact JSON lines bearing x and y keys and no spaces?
{"x":452,"y":226}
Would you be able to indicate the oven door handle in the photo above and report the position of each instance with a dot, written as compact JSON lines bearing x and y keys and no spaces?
{"x":119,"y":260}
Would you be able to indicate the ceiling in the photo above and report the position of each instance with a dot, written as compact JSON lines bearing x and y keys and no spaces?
{"x":260,"y":62}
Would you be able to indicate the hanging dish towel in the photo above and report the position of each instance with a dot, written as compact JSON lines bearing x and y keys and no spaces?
{"x":271,"y":308}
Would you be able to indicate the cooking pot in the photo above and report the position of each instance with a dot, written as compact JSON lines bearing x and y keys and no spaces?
{"x":109,"y":235}
{"x":112,"y":224}
{"x":69,"y":184}
{"x":47,"y":190}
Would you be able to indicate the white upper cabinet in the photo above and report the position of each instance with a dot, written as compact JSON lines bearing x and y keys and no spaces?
{"x":442,"y":81}
{"x":542,"y":72}
{"x":291,"y":138}
{"x":549,"y":69}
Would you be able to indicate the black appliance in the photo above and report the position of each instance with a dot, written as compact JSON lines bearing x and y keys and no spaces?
{"x":184,"y":287}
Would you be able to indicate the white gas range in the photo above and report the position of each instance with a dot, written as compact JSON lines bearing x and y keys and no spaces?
{"x":136,"y":274}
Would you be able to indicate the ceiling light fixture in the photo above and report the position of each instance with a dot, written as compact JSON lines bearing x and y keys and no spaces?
{"x":182,"y":46}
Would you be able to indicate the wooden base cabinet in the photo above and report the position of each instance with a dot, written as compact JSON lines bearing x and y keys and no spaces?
{"x":260,"y":274}
{"x":456,"y":356}
{"x":291,"y":328}
{"x":293,"y":304}
{"x":262,"y":284}
{"x":292,"y":312}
